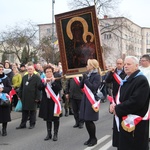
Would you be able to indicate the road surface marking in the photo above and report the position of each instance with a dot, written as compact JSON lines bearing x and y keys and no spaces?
{"x":98,"y":142}
{"x":106,"y":146}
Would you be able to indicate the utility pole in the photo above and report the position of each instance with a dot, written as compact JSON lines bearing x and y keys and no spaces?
{"x":53,"y":50}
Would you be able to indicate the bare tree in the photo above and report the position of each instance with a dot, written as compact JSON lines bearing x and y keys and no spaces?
{"x":117,"y":29}
{"x":114,"y":29}
{"x":46,"y":48}
{"x":104,"y":7}
{"x":14,"y":40}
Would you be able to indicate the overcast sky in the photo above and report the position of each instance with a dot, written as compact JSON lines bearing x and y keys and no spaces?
{"x":14,"y":12}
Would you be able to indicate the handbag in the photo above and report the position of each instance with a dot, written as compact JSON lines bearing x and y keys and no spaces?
{"x":18,"y":107}
{"x":99,"y":95}
{"x":4,"y":100}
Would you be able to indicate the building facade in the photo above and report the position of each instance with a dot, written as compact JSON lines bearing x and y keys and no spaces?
{"x":120,"y":37}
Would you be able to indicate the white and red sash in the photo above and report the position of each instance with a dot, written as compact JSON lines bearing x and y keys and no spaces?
{"x":50,"y":94}
{"x":95,"y":104}
{"x":117,"y":78}
{"x":111,"y":99}
{"x":77,"y":81}
{"x":130,"y":121}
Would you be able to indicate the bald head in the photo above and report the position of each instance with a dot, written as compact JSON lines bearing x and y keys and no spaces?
{"x":119,"y":64}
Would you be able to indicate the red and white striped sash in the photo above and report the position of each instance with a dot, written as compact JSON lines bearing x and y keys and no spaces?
{"x":117,"y":78}
{"x":95,"y":104}
{"x":50,"y":94}
{"x":111,"y":99}
{"x":77,"y":81}
{"x":130,"y":121}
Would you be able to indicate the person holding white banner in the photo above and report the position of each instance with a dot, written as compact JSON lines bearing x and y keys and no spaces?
{"x":89,"y":108}
{"x":50,"y":107}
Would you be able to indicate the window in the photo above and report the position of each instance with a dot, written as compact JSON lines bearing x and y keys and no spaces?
{"x":107,"y":36}
{"x":148,"y":50}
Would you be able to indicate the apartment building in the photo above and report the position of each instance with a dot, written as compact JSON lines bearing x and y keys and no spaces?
{"x":119,"y":37}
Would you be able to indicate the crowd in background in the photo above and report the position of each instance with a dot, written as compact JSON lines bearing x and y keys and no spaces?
{"x":18,"y":77}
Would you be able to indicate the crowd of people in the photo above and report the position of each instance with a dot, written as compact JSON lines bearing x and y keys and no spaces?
{"x":127,"y":86}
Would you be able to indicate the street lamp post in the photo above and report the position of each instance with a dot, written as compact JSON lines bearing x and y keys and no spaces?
{"x":53,"y":51}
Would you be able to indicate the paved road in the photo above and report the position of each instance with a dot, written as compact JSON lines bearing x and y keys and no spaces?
{"x":69,"y":138}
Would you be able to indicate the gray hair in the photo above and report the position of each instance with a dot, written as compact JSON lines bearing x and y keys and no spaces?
{"x":135,"y":59}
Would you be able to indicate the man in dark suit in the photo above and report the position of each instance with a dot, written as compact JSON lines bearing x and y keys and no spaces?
{"x":119,"y":70}
{"x":110,"y":78}
{"x":30,"y":96}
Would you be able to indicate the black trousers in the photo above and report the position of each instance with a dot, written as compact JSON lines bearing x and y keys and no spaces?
{"x":31,"y":114}
{"x":76,"y":109}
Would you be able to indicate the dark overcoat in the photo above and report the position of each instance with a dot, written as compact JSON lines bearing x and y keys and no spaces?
{"x":29,"y":92}
{"x":111,"y":79}
{"x":73,"y":89}
{"x":5,"y":111}
{"x":86,"y":111}
{"x":134,"y":98}
{"x":47,"y":104}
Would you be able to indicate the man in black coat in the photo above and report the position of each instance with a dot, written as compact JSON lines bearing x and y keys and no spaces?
{"x":110,"y":78}
{"x":119,"y":70}
{"x":133,"y":103}
{"x":30,"y":96}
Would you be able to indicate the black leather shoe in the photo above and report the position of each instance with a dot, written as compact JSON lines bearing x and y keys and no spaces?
{"x":67,"y":114}
{"x":4,"y":132}
{"x":20,"y":127}
{"x":92,"y":143}
{"x":55,"y":137}
{"x":31,"y":127}
{"x":80,"y":125}
{"x":87,"y":142}
{"x":48,"y":137}
{"x":76,"y":125}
